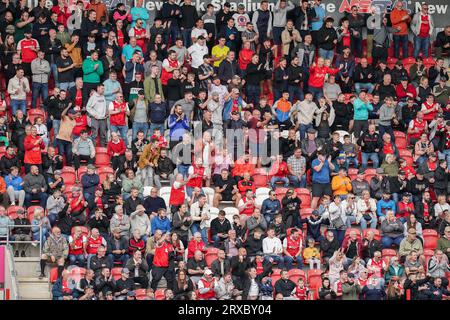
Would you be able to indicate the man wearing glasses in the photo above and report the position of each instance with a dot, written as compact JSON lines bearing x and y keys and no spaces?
{"x":422,"y":26}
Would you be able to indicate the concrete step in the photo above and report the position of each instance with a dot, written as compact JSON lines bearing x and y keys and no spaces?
{"x":33,"y":288}
{"x":26,"y":280}
{"x":27,"y":267}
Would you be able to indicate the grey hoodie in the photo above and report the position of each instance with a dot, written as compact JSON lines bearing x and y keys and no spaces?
{"x":96,"y":106}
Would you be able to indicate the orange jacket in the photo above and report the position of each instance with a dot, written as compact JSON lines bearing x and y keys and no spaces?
{"x":398,"y":23}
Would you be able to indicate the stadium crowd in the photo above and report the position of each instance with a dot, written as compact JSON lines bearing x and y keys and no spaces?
{"x":274,"y":154}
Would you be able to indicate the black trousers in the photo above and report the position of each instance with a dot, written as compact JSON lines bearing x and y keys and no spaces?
{"x":158,"y":273}
{"x":78,"y":158}
{"x":143,"y":281}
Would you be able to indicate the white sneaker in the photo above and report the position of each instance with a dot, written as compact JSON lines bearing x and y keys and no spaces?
{"x":35,"y":243}
{"x":13,"y":203}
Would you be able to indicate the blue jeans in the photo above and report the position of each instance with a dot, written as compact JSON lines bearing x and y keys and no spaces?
{"x":360,"y":86}
{"x":41,"y":196}
{"x":55,"y":124}
{"x":253,"y":93}
{"x":401,"y":40}
{"x":298,"y":183}
{"x":295,"y":92}
{"x":195,"y":227}
{"x":122,"y":259}
{"x":73,"y":259}
{"x":289,"y":260}
{"x":303,"y":129}
{"x":183,"y":169}
{"x":38,"y":89}
{"x":274,"y":180}
{"x":421,"y":44}
{"x":18,"y":104}
{"x":277,"y":259}
{"x":352,"y":160}
{"x":174,"y":33}
{"x":66,"y":85}
{"x":54,"y":71}
{"x":365,"y":158}
{"x":154,"y":126}
{"x":373,"y":223}
{"x":276,"y":32}
{"x":387,"y":242}
{"x":186,"y":33}
{"x":326,"y":54}
{"x":122,"y":130}
{"x":44,"y":235}
{"x":339,"y":235}
{"x":65,"y":149}
{"x":445,"y":155}
{"x":316,"y":92}
{"x":387,"y":129}
{"x":139,"y":126}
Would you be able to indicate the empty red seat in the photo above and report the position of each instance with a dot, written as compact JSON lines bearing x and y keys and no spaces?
{"x":102,"y":157}
{"x":305,"y":196}
{"x":211,"y":255}
{"x":314,"y":278}
{"x":275,"y":276}
{"x":34,"y":113}
{"x":103,"y":172}
{"x":391,"y":61}
{"x":12,"y":211}
{"x":430,"y":239}
{"x":81,"y":171}
{"x":295,"y":274}
{"x":53,"y":275}
{"x":387,"y":254}
{"x":30,"y":211}
{"x":260,"y":180}
{"x":159,"y":294}
{"x":140,"y":294}
{"x":429,"y":62}
{"x":352,"y":173}
{"x":116,"y":273}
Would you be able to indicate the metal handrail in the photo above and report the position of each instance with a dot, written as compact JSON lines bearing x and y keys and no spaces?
{"x":8,"y":241}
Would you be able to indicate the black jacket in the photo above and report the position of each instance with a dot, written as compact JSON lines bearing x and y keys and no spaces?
{"x":371,"y":142}
{"x":6,"y":163}
{"x":328,"y":248}
{"x":325,"y":38}
{"x":215,"y":267}
{"x":217,"y":227}
{"x":253,"y":246}
{"x":246,"y":282}
{"x":227,"y":70}
{"x":97,"y":264}
{"x":189,"y":16}
{"x":361,"y":75}
{"x":101,"y":224}
{"x":284,"y":287}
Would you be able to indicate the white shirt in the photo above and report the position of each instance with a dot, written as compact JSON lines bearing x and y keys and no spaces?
{"x":195,"y":33}
{"x":272,"y":246}
{"x":197,"y":52}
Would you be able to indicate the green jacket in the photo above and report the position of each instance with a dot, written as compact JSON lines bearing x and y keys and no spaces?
{"x":443,"y":244}
{"x":150,"y":89}
{"x":90,"y":74}
{"x":350,"y":292}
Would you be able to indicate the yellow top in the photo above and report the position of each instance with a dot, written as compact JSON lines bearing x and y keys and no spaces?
{"x":309,"y":253}
{"x":220,"y":53}
{"x":341,"y":186}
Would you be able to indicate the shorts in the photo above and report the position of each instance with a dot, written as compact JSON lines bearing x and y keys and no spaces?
{"x":321,"y":189}
{"x":227,"y":197}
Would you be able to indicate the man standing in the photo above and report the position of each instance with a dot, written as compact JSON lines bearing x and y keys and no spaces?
{"x":400,"y":20}
{"x":422,"y":26}
{"x":40,"y":68}
{"x":97,"y":111}
{"x":18,"y":87}
{"x":92,"y":70}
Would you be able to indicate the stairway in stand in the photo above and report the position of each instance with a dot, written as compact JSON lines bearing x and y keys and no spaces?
{"x":30,"y":286}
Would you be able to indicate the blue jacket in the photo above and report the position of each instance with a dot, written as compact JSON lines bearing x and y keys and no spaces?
{"x":383,"y":206}
{"x":361,"y":109}
{"x":157,"y":112}
{"x":177,"y":127}
{"x":130,"y":68}
{"x":270,"y":207}
{"x":228,"y":105}
{"x":14,"y":182}
{"x":110,"y":87}
{"x":159,"y":224}
{"x":89,"y":182}
{"x":57,"y":292}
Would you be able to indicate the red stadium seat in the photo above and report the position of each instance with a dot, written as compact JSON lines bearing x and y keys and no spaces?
{"x":159,"y":294}
{"x":103,"y":172}
{"x":347,"y":97}
{"x":116,"y":273}
{"x":211,"y":255}
{"x":305,"y":213}
{"x":30,"y":211}
{"x":12,"y":211}
{"x":140,"y":294}
{"x":391,"y":61}
{"x":295,"y":274}
{"x":101,"y":157}
{"x":289,"y":231}
{"x":376,"y":233}
{"x":407,"y":155}
{"x":429,"y":62}
{"x":275,"y":276}
{"x":34,"y":113}
{"x":53,"y":275}
{"x":2,"y":151}
{"x":399,"y":134}
{"x":69,"y":178}
{"x":427,"y":254}
{"x":348,"y":230}
{"x":352,"y":173}
{"x":369,"y":174}
{"x":305,"y":196}
{"x":387,"y":254}
{"x":314,"y":278}
{"x":260,"y":180}
{"x":408,"y":62}
{"x":81,"y":171}
{"x":430,"y":238}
